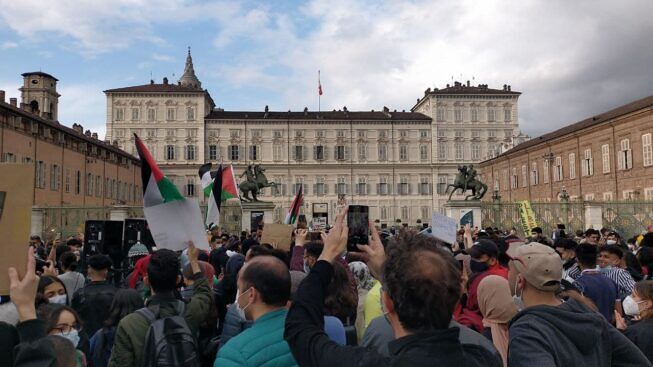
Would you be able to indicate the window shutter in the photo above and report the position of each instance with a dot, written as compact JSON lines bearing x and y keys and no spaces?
{"x":430,"y":189}
{"x":367,"y":189}
{"x":304,"y":153}
{"x":346,"y":152}
{"x":315,"y":189}
{"x":620,"y":161}
{"x":378,"y":189}
{"x":315,"y":153}
{"x":335,"y":188}
{"x":347,"y":189}
{"x":409,"y":187}
{"x":176,"y":150}
{"x":293,"y":151}
{"x":629,"y":158}
{"x":399,"y":188}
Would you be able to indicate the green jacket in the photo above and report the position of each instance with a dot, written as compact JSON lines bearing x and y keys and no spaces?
{"x":130,"y":335}
{"x":260,"y":345}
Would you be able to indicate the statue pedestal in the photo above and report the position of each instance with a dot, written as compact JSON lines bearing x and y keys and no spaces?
{"x":255,"y":213}
{"x":464,"y":211}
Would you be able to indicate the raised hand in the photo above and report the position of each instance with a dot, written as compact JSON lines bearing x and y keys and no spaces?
{"x":23,"y":291}
{"x":300,"y":236}
{"x":193,"y":254}
{"x":336,"y":241}
{"x":374,"y":253}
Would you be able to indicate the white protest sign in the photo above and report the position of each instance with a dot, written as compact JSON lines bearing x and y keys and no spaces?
{"x":443,"y":228}
{"x":174,"y":223}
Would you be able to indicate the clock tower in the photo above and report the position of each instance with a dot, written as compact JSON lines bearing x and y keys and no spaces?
{"x":39,"y":95}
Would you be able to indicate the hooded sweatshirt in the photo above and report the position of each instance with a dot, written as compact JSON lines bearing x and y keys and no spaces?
{"x":568,"y":335}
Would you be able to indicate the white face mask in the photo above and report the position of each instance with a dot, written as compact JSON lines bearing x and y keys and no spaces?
{"x":59,"y":299}
{"x":631,"y":307}
{"x":518,"y":300}
{"x":610,"y":242}
{"x":73,"y":336}
{"x":241,"y":311}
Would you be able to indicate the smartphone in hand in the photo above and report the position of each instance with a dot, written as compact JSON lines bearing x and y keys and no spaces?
{"x":358,"y":219}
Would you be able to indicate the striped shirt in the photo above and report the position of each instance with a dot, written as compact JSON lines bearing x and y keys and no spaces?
{"x":573,"y":272}
{"x":623,"y":279}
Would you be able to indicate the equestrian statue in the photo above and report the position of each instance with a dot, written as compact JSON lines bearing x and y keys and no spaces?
{"x":255,"y":181}
{"x":466,"y":180}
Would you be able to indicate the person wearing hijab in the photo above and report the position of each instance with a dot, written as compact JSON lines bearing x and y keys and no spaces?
{"x":497,"y":307}
{"x":364,"y":282}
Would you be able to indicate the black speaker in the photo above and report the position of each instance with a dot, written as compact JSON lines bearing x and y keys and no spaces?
{"x":104,"y":237}
{"x":136,"y":229}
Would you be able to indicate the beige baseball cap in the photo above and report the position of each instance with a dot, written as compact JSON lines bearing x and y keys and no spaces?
{"x":539,"y":264}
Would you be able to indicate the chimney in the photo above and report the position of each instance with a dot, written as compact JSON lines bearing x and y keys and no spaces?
{"x":151,"y":81}
{"x":165,"y":80}
{"x":267,"y":110}
{"x":87,"y":133}
{"x":78,"y":128}
{"x":509,"y":89}
{"x":305,"y":111}
{"x":2,"y":96}
{"x":468,"y":83}
{"x":448,"y":85}
{"x":13,"y":102}
{"x":94,"y":136}
{"x":386,"y":109}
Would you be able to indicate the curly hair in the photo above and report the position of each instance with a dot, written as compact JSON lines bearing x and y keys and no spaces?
{"x":422,"y":280}
{"x":340,"y":300}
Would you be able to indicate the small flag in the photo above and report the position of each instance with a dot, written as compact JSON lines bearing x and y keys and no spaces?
{"x":205,"y":178}
{"x":293,"y":212}
{"x":319,"y":84}
{"x":214,"y":204}
{"x":157,"y":189}
{"x":222,"y":188}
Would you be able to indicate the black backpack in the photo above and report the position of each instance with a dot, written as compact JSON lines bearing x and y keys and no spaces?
{"x":169,"y":341}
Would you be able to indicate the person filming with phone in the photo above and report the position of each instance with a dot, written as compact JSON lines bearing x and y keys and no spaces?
{"x":420,"y":288}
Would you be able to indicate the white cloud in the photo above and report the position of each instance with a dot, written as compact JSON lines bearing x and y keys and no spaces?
{"x":83,"y":104}
{"x":8,"y":44}
{"x":570,"y":59}
{"x":164,"y":58}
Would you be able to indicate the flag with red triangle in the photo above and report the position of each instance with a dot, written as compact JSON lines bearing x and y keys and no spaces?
{"x":293,"y":212}
{"x":157,"y":188}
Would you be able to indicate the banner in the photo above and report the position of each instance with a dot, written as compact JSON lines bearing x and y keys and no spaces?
{"x":527,"y":216}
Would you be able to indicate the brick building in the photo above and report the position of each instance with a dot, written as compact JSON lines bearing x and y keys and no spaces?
{"x":72,"y":167}
{"x":602,"y":158}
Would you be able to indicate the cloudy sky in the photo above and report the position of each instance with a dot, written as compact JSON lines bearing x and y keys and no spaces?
{"x":570,"y":59}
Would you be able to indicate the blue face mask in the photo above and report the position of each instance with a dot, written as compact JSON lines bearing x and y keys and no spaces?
{"x":307,"y":268}
{"x":72,"y":335}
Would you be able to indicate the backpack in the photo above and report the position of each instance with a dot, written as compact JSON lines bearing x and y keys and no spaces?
{"x":169,"y":341}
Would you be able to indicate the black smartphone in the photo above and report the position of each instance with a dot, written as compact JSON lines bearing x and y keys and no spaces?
{"x":358,"y":219}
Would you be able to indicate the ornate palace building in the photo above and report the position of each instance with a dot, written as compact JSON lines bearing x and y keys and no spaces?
{"x":397,"y":162}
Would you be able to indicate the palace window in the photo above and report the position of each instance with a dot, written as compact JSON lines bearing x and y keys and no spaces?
{"x":171,"y":114}
{"x":384,"y":213}
{"x":535,"y":177}
{"x":362,"y":152}
{"x":442,"y":184}
{"x":361,"y":134}
{"x":320,"y":186}
{"x":151,"y":114}
{"x":298,"y":153}
{"x":55,"y":177}
{"x":546,"y":170}
{"x":213,"y":152}
{"x":587,"y":168}
{"x":67,"y":181}
{"x":557,"y":169}
{"x":442,"y":151}
{"x":625,"y":155}
{"x":423,"y":134}
{"x":151,"y":133}
{"x":40,"y":174}
{"x":361,"y":186}
{"x":89,"y":184}
{"x":234,"y":152}
{"x":459,"y":150}
{"x":191,"y":133}
{"x":98,"y":186}
{"x":647,"y":151}
{"x":514,"y":178}
{"x":170,"y":152}
{"x":605,"y":157}
{"x":190,"y":187}
{"x":254,"y":154}
{"x":341,"y":186}
{"x":120,"y":114}
{"x":440,"y":114}
{"x":135,"y":114}
{"x":572,"y":166}
{"x":190,"y":113}
{"x":340,"y":153}
{"x":383,"y":152}
{"x":507,"y":115}
{"x":403,"y":152}
{"x":476,"y":151}
{"x":78,"y":182}
{"x":383,"y":186}
{"x":277,"y":134}
{"x":190,"y":152}
{"x":404,"y":186}
{"x":474,"y":112}
{"x":318,"y":152}
{"x":423,"y":152}
{"x":458,"y":115}
{"x":424,"y":186}
{"x":277,"y":152}
{"x":524,"y":175}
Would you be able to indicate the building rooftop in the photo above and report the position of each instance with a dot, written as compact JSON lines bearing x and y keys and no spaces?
{"x":156,"y":88}
{"x":605,"y":117}
{"x":460,"y":88}
{"x":39,"y":73}
{"x":70,"y":131}
{"x":385,"y":115}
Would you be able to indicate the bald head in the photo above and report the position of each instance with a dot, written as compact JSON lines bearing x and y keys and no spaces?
{"x":269,"y":276}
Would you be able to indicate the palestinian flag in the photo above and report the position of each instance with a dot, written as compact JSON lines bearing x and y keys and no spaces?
{"x":223,"y":187}
{"x":206,"y":179}
{"x":157,"y":189}
{"x":293,"y":212}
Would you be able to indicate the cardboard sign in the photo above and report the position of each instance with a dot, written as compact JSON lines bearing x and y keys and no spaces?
{"x":174,"y":223}
{"x":16,"y":200}
{"x":278,"y":235}
{"x":443,"y":228}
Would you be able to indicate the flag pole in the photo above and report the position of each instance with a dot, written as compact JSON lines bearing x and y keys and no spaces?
{"x":319,"y":94}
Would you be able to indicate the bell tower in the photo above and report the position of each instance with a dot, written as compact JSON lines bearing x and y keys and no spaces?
{"x":189,"y":79}
{"x":39,"y":95}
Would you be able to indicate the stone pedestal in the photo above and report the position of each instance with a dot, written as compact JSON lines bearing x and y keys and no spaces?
{"x":37,"y":222}
{"x":464,"y":211}
{"x":254,"y":210}
{"x":119,"y":212}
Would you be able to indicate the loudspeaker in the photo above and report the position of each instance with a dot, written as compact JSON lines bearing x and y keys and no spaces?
{"x":104,"y":237}
{"x":136,"y":229}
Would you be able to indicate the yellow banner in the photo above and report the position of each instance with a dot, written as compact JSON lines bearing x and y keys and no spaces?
{"x":527,"y":216}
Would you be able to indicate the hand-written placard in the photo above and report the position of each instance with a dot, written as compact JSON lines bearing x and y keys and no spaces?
{"x":174,"y":223}
{"x":278,"y":235}
{"x":16,"y":199}
{"x":443,"y":228}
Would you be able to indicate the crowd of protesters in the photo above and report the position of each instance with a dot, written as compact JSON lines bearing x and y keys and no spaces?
{"x":405,"y":299}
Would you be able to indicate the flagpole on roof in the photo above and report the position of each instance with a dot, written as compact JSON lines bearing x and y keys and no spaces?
{"x":319,"y":93}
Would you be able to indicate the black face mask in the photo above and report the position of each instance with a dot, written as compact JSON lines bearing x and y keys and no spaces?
{"x":478,"y":266}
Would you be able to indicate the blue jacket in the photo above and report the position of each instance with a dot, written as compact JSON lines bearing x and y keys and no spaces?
{"x":260,"y":345}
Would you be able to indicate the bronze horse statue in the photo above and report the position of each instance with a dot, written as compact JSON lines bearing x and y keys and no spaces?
{"x":466,"y":180}
{"x":256,"y":181}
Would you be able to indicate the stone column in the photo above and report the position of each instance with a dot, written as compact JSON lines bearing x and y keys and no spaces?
{"x":119,"y":212}
{"x":593,"y":216}
{"x":37,"y":221}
